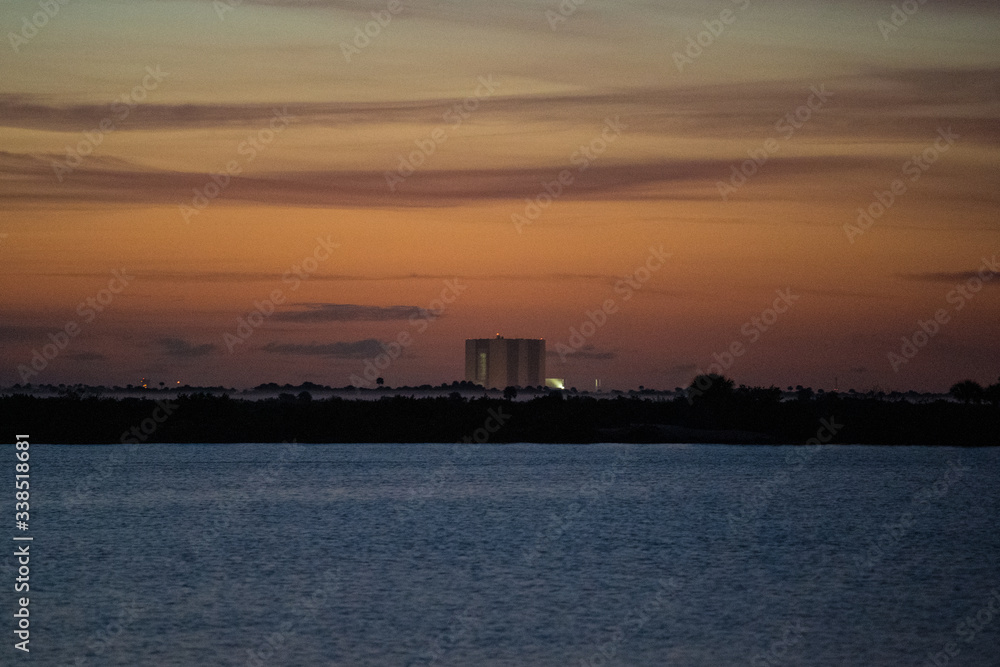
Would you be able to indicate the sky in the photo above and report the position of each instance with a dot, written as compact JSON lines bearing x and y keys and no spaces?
{"x":239,"y":192}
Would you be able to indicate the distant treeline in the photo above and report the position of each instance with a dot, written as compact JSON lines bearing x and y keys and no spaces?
{"x":719,"y":414}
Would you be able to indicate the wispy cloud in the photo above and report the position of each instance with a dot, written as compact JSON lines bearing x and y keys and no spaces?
{"x":339,"y":350}
{"x":588,"y":352}
{"x":453,"y":187}
{"x":85,"y":356}
{"x":346,"y":312}
{"x":263,"y":276}
{"x":896,"y":94}
{"x":524,"y":15}
{"x":844,"y":294}
{"x":178,"y":347}
{"x":22,"y":334}
{"x":953,"y":277}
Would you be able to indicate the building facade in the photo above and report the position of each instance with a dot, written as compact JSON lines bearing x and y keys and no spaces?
{"x":497,"y":363}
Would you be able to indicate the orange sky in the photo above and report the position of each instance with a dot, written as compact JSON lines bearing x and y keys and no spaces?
{"x":490,"y":106}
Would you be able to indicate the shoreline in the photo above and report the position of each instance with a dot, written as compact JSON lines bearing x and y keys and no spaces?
{"x":745,"y":418}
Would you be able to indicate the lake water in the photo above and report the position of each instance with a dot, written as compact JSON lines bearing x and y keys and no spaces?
{"x":511,"y":555}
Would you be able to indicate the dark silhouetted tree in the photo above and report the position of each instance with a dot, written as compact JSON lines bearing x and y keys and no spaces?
{"x":710,"y":387}
{"x":510,"y":393}
{"x":967,"y":391}
{"x":991,"y":393}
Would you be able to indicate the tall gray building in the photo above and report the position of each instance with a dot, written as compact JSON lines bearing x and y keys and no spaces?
{"x":497,"y":363}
